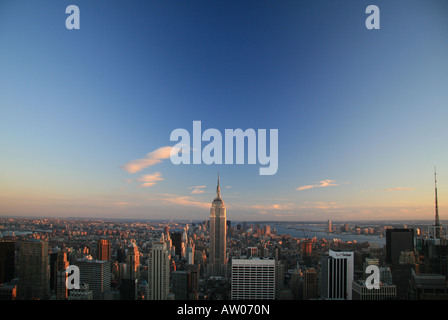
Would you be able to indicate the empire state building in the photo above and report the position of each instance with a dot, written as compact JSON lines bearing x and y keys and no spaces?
{"x":217,"y":264}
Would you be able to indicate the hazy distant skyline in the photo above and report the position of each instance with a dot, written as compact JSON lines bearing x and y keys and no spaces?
{"x":86,"y":115}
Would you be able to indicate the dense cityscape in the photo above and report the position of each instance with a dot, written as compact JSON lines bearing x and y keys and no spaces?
{"x":209,"y":158}
{"x":218,"y":259}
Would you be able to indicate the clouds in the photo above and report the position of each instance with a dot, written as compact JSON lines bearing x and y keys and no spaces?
{"x":150,"y":159}
{"x":150,"y":179}
{"x":275,"y":206}
{"x":390,"y":189}
{"x":185,"y":201}
{"x":398,"y":189}
{"x":197,"y":189}
{"x":321,"y":184}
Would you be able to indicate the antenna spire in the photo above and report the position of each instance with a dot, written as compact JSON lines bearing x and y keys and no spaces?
{"x":437,"y":222}
{"x":218,"y":190}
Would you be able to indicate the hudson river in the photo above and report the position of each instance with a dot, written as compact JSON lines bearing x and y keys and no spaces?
{"x":318,"y":230}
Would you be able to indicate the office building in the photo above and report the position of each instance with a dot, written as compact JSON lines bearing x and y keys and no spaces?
{"x":337,"y":275}
{"x":310,"y":284}
{"x":97,"y":274}
{"x":217,"y":260}
{"x":129,"y":289}
{"x":176,"y":240}
{"x":83,"y":293}
{"x":7,"y":258}
{"x":181,"y":284}
{"x":132,"y":262}
{"x":398,"y":240}
{"x":34,"y":270}
{"x":104,"y":251}
{"x":58,"y":264}
{"x":428,"y":286}
{"x":159,"y":272}
{"x":386,"y":291}
{"x":253,"y":279}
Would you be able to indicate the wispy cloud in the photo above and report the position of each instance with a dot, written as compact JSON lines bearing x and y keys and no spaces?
{"x":274,"y":209}
{"x":388,"y":190}
{"x":185,"y":201}
{"x":398,"y":189}
{"x":325,"y":205}
{"x":321,"y":184}
{"x":197,"y":189}
{"x":150,"y":159}
{"x":150,"y":179}
{"x":277,"y":207}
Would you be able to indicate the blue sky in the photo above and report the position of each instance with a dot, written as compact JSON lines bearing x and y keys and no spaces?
{"x":361,"y":113}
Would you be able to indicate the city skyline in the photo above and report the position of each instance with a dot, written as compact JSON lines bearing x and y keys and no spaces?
{"x":86,"y":115}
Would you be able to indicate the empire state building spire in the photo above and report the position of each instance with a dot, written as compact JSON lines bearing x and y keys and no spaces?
{"x":217,"y":260}
{"x":218,"y":190}
{"x":437,"y":222}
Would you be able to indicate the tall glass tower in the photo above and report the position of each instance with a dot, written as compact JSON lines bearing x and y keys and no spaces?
{"x":217,"y":264}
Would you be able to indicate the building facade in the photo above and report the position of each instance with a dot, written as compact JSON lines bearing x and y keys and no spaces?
{"x":97,"y":274}
{"x":34,"y":264}
{"x":337,"y":275}
{"x":217,"y":262}
{"x":159,"y":272}
{"x":103,"y":250}
{"x":386,"y":291}
{"x":253,"y":279}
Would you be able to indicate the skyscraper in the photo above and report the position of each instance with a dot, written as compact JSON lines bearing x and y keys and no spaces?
{"x":132,"y":262}
{"x":176,"y":240}
{"x":190,"y":252}
{"x":58,"y":264}
{"x":181,"y":284}
{"x":34,"y":264}
{"x":103,"y":250}
{"x":309,"y":284}
{"x":159,"y":271}
{"x":253,"y":279}
{"x":97,"y":273}
{"x":398,"y":240}
{"x":7,"y":258}
{"x":337,"y":275}
{"x":217,"y":263}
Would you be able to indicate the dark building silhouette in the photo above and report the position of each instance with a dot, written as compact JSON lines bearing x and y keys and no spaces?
{"x":34,"y":282}
{"x":176,"y":238}
{"x":7,"y":257}
{"x":398,"y":240}
{"x":428,"y":287}
{"x":129,"y":289}
{"x":181,"y":282}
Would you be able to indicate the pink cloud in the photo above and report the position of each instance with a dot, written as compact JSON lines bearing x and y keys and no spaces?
{"x":321,"y":184}
{"x":150,"y":159}
{"x":197,"y":189}
{"x":186,"y":201}
{"x":399,"y":189}
{"x":150,"y":179}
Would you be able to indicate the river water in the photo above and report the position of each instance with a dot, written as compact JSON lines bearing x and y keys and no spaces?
{"x":319,"y":231}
